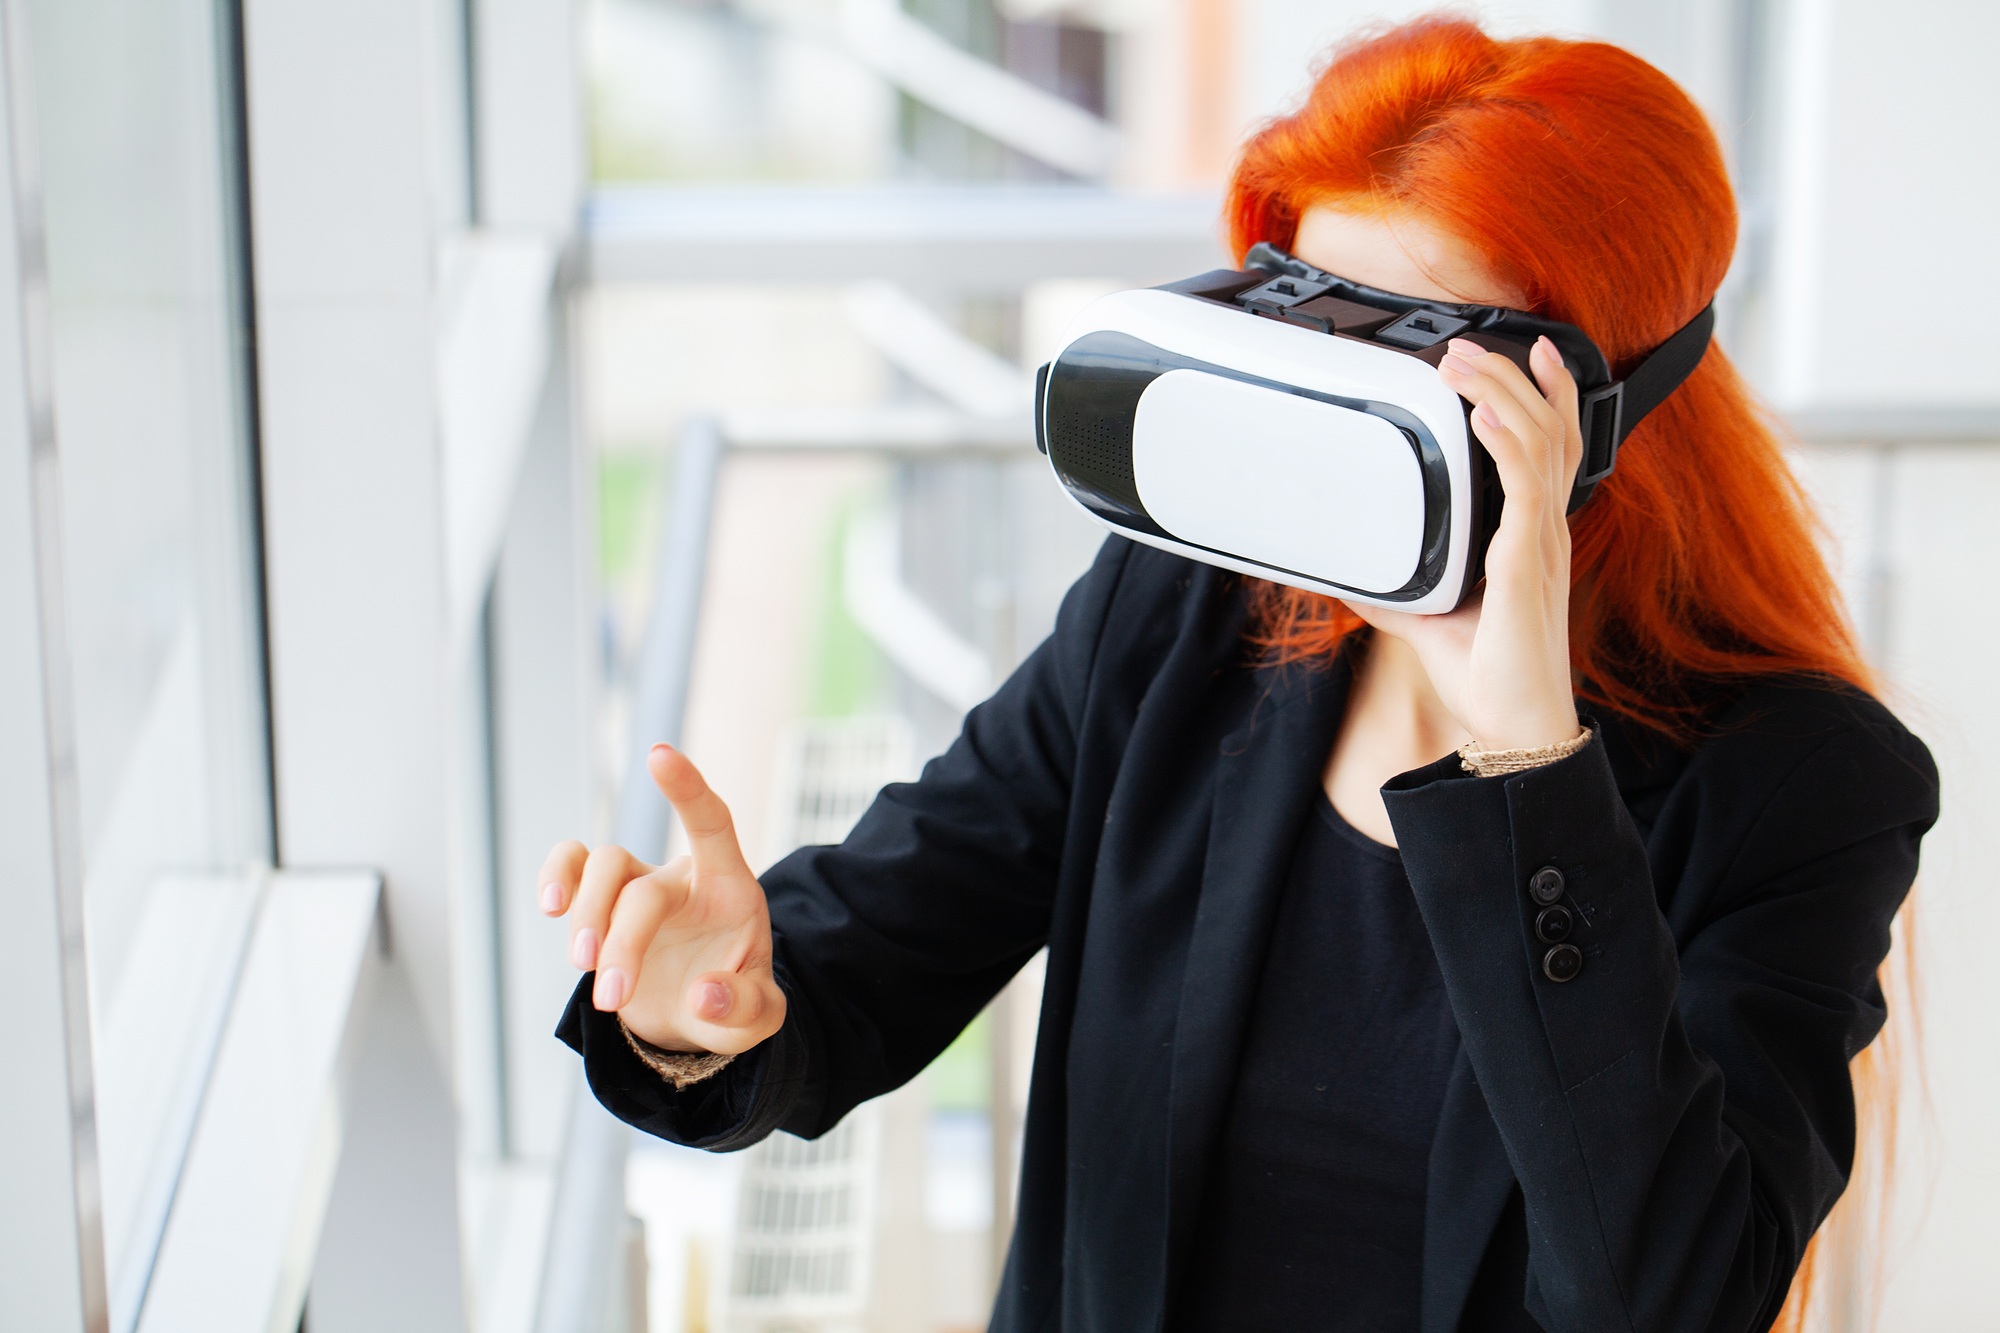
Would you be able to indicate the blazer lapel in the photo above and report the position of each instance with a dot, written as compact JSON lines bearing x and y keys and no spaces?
{"x":1266,"y":781}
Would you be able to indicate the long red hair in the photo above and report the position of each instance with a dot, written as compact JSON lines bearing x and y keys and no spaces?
{"x":1593,"y":183}
{"x":1589,"y":180}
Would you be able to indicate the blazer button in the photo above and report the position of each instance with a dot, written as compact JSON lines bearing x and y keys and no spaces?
{"x":1546,"y":886}
{"x":1552,"y":925}
{"x":1562,"y":963}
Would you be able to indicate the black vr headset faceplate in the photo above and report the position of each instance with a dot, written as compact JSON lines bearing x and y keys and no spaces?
{"x":1290,"y":425}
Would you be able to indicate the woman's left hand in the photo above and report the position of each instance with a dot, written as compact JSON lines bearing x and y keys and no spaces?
{"x":1500,"y":662}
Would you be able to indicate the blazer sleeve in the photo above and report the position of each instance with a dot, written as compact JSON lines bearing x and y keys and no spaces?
{"x":888,"y":944}
{"x":1679,"y":1113}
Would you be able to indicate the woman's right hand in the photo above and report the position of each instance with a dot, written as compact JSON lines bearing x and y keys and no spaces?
{"x":682,"y":951}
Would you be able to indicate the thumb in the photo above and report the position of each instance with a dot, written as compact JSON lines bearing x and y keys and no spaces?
{"x":730,"y":1012}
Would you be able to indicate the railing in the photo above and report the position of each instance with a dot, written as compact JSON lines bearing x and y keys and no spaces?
{"x":582,"y":1267}
{"x":942,"y":238}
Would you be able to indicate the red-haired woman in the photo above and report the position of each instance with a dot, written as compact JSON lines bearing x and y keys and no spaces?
{"x":1305,"y":1060}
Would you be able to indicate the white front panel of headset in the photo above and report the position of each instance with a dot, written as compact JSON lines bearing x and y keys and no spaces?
{"x":1289,"y":354}
{"x":1278,"y":351}
{"x":1283,"y":480}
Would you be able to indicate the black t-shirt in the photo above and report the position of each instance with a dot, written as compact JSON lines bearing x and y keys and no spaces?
{"x":1313,"y":1214}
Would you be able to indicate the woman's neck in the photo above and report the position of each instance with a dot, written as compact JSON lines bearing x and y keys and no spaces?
{"x":1394,"y":722}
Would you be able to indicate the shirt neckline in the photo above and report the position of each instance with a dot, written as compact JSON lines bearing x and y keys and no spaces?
{"x":1353,"y":836}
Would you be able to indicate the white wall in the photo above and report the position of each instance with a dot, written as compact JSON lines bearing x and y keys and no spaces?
{"x":1884,"y":196}
{"x":51,"y":1242}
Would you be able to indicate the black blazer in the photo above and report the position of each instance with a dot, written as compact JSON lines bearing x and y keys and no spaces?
{"x":1647,"y":1146}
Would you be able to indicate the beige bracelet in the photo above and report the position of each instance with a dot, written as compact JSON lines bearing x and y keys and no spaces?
{"x":681,"y":1068}
{"x":1498,"y":763}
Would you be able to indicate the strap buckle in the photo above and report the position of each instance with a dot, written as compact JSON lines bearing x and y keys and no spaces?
{"x":1601,"y":416}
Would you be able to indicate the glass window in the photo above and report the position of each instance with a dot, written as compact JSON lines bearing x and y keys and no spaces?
{"x":135,"y":118}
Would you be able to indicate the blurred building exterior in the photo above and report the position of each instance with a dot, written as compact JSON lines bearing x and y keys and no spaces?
{"x":409,"y":410}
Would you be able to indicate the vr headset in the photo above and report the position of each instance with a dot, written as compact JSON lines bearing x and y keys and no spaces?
{"x":1288,"y":424}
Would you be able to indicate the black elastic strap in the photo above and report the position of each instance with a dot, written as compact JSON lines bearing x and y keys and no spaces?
{"x":1607,"y":415}
{"x":1662,"y":372}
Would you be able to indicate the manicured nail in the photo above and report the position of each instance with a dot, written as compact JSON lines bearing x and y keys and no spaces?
{"x":1456,"y":365}
{"x":712,"y":1001}
{"x":611,"y":989}
{"x":1486,"y":414}
{"x":1466,"y":347}
{"x":552,"y":898}
{"x":583,"y":950}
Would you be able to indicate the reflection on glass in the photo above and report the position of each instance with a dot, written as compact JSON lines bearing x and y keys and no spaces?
{"x":134,"y":106}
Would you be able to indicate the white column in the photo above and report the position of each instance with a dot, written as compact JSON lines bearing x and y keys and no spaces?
{"x":51,"y":1241}
{"x":546,"y":647}
{"x":347,"y":131}
{"x":528,"y":99}
{"x":1883,"y":199}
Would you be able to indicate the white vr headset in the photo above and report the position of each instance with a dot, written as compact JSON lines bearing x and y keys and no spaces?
{"x":1289,"y":424}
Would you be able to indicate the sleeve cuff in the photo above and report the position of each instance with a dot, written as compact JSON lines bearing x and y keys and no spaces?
{"x":1539,"y":900}
{"x":754,"y":1094}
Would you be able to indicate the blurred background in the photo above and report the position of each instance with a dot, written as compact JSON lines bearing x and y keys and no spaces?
{"x":411,"y":408}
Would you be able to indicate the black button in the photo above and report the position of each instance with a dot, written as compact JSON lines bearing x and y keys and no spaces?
{"x":1562,"y":963}
{"x":1546,"y":886}
{"x":1552,"y":925}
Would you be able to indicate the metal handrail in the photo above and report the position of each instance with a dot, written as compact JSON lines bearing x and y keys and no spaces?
{"x":581,"y":1264}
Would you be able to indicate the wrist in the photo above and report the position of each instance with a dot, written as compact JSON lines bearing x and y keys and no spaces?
{"x":1487,"y":763}
{"x":1529,"y":734}
{"x":659,"y":1036}
{"x":680,"y":1068}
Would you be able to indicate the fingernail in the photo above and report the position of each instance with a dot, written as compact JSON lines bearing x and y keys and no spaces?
{"x":611,"y":989}
{"x":713,"y":1001}
{"x":583,"y":950}
{"x":1466,"y":347}
{"x":552,"y":898}
{"x":1455,"y":365}
{"x":1486,"y":414}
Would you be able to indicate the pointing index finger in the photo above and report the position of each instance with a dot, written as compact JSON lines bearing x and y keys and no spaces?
{"x":710,"y":829}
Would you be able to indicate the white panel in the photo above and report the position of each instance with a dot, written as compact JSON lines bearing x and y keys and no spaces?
{"x":355,"y":550}
{"x":492,"y":359}
{"x":546,"y":659}
{"x":1886,"y":194}
{"x":246,"y":1216}
{"x":528,"y":86}
{"x":390,"y":1255}
{"x":340,"y":149}
{"x":51,"y":1242}
{"x":1284,"y":480}
{"x":347,"y":106}
{"x":156,"y":1043}
{"x":41,"y":1268}
{"x":1944,"y":638}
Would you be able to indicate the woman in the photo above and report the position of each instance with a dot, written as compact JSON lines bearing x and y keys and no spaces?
{"x":1313,"y":1052}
